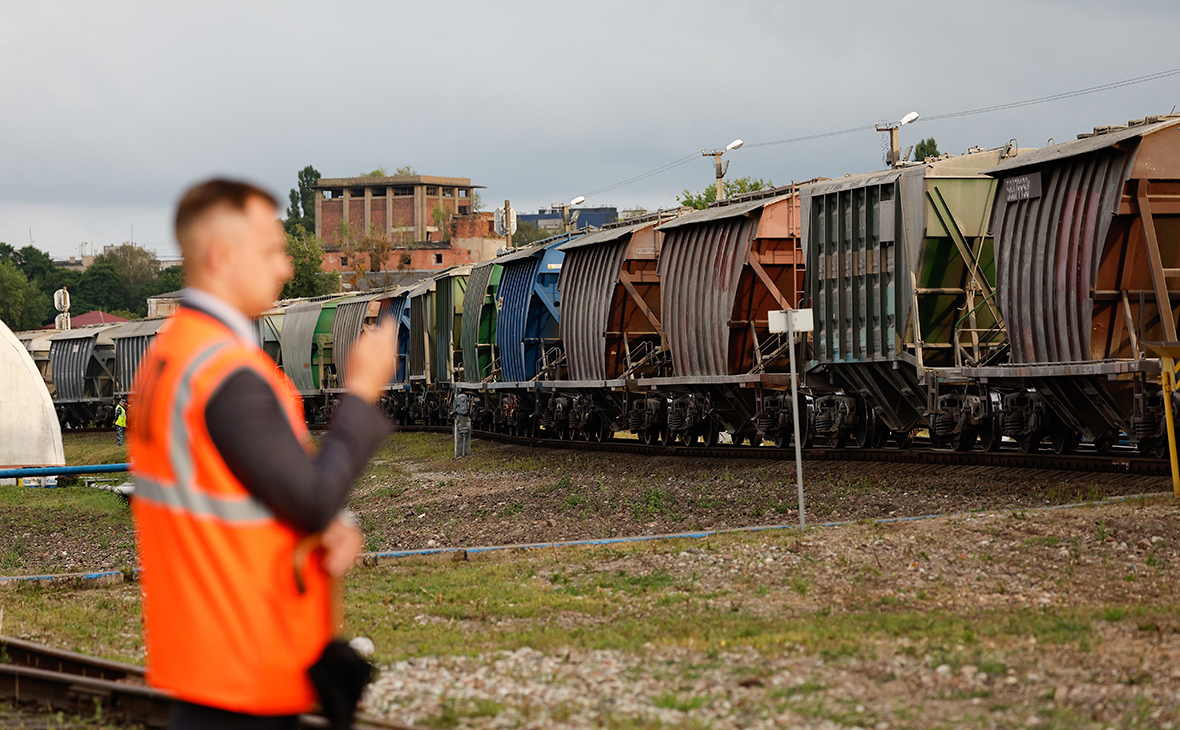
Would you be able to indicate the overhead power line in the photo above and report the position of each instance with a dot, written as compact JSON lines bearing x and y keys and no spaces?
{"x":928,"y":118}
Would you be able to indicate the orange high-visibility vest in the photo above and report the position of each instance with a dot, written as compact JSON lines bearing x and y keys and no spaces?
{"x":224,"y":621}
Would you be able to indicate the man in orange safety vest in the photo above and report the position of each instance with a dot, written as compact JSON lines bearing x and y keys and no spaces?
{"x":228,"y":490}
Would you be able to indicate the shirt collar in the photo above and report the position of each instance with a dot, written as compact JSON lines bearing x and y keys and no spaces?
{"x":221,"y":310}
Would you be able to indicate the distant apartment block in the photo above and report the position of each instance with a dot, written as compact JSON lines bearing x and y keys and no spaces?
{"x":406,"y":210}
{"x":400,"y":204}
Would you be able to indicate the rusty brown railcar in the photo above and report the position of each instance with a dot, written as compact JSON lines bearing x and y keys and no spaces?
{"x":723,"y":269}
{"x":1087,"y":241}
{"x":610,"y":289}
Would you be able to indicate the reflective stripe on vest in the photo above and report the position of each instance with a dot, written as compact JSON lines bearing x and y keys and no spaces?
{"x":183,"y":495}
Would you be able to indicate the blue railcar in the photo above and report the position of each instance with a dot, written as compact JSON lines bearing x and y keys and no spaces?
{"x":527,"y":326}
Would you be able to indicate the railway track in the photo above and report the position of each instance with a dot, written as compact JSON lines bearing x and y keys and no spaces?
{"x":1121,"y":461}
{"x":45,"y":678}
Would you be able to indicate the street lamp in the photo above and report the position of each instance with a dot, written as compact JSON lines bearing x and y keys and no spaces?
{"x":895,"y":155}
{"x":720,"y":167}
{"x":565,"y":211}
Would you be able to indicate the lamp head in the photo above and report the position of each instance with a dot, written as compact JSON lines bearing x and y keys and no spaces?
{"x":734,"y":145}
{"x":578,"y":200}
{"x":912,"y":116}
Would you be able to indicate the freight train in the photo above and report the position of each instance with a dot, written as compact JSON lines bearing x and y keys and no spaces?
{"x":1000,"y":295}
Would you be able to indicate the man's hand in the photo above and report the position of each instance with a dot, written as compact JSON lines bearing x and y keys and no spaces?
{"x":372,"y":362}
{"x":342,"y":546}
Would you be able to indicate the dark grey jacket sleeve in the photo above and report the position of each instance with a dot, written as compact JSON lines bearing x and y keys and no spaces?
{"x":249,"y":428}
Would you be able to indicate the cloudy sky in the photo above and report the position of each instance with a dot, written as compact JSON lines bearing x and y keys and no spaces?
{"x":110,"y":109}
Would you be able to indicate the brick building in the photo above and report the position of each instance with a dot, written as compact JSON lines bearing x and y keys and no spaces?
{"x":400,"y":209}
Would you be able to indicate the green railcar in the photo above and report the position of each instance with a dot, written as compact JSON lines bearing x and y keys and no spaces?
{"x":900,"y":275}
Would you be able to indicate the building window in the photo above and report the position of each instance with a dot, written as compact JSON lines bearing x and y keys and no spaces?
{"x":448,"y":192}
{"x":403,"y":191}
{"x":378,"y":192}
{"x":464,"y":192}
{"x":343,"y":260}
{"x":438,"y":258}
{"x":357,"y":192}
{"x":334,"y":193}
{"x":432,"y":190}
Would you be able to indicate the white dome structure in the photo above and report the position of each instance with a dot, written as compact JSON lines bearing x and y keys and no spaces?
{"x":29,"y":432}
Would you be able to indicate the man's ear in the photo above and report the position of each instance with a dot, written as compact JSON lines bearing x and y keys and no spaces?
{"x":218,"y":254}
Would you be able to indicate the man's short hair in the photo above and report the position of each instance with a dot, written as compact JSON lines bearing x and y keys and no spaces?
{"x":203,"y":197}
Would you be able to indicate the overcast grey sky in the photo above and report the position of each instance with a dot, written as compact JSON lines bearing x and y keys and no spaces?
{"x":110,"y":109}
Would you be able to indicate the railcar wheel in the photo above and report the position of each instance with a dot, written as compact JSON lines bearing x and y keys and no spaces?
{"x":863,"y":435}
{"x":1104,"y":444}
{"x":649,"y":436}
{"x":963,"y":440}
{"x":990,"y":439}
{"x":902,"y":439}
{"x":781,"y":440}
{"x":1157,"y":447}
{"x":1065,"y":440}
{"x":1028,"y":444}
{"x":738,"y":439}
{"x":709,"y":437}
{"x":880,"y":435}
{"x":938,"y":442}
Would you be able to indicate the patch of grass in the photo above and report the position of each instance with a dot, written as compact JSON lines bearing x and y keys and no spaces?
{"x":103,"y":622}
{"x":652,"y":503}
{"x":92,"y":448}
{"x":683,"y":704}
{"x":573,"y":501}
{"x":799,"y":689}
{"x":454,"y":712}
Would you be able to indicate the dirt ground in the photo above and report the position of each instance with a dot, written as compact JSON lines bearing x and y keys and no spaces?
{"x":529,"y":495}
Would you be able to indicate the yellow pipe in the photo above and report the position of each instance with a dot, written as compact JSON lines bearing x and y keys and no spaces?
{"x":1169,"y":384}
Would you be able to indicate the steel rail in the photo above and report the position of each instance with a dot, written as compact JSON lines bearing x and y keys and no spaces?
{"x":1116,"y":463}
{"x":66,"y":681}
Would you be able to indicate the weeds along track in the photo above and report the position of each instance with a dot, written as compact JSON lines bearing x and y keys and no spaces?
{"x":47,"y":679}
{"x":1118,"y":462}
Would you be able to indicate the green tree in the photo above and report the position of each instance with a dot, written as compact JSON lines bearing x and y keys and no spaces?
{"x":307,"y":257}
{"x":406,"y":170}
{"x":22,"y":304}
{"x":100,"y":288}
{"x":701,"y":200}
{"x":32,"y":261}
{"x":528,"y":232}
{"x":380,"y":171}
{"x":135,"y":269}
{"x":301,"y":211}
{"x":925,"y":148}
{"x":167,"y":280}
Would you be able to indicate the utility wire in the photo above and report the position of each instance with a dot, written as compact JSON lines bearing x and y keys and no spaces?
{"x":931,"y":118}
{"x":1055,"y":97}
